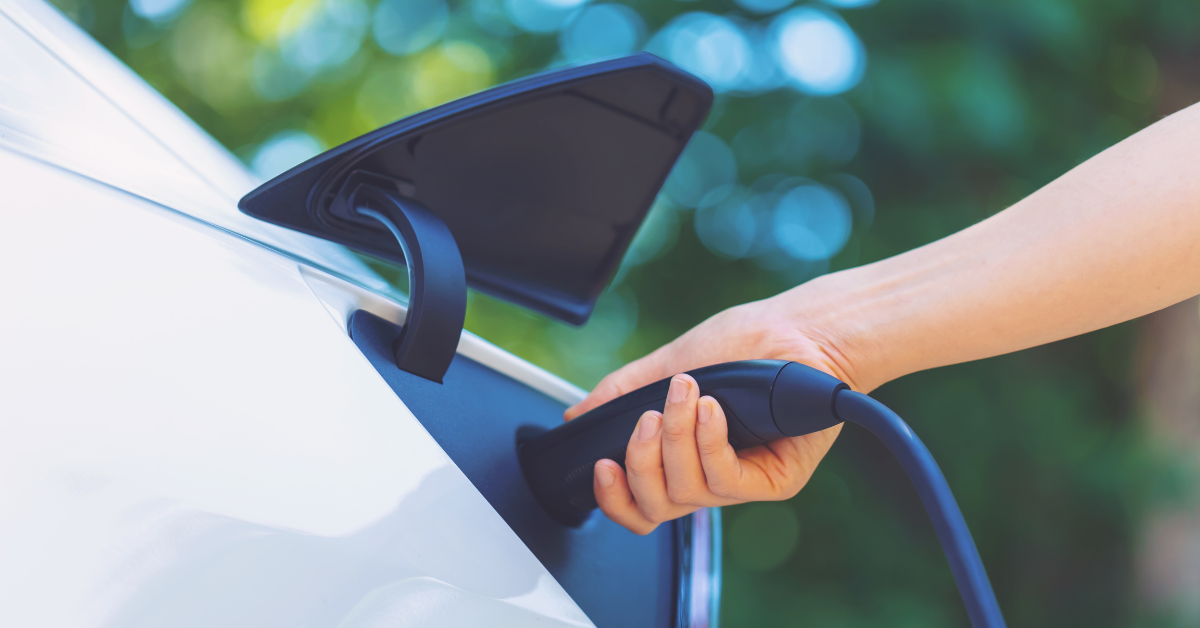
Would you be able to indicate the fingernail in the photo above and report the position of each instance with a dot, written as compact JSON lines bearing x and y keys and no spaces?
{"x":605,"y":476}
{"x":679,"y":390}
{"x":648,"y":426}
{"x":704,"y":413}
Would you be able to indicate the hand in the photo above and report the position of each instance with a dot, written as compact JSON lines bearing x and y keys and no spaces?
{"x":680,"y":460}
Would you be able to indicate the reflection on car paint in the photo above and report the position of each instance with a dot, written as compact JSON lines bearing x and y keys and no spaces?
{"x":189,"y":437}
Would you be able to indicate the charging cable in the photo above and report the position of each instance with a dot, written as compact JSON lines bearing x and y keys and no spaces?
{"x":924,"y":473}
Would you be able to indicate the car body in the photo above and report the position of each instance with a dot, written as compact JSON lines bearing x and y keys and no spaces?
{"x":188,"y":436}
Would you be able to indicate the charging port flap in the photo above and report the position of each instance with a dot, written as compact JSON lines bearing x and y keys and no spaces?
{"x":543,"y":181}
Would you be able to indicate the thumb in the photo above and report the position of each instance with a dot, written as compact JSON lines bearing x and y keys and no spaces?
{"x":632,"y":376}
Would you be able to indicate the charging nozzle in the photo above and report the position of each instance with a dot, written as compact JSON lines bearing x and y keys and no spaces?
{"x":763,"y":400}
{"x":802,"y":400}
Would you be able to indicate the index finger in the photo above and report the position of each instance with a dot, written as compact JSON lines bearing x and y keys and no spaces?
{"x":629,"y":377}
{"x":681,"y":460}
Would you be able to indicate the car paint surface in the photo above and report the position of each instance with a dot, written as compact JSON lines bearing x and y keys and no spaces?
{"x":187,"y":435}
{"x":65,"y":100}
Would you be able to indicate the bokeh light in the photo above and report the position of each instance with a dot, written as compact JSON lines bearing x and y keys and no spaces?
{"x":403,"y":27}
{"x":542,"y":16}
{"x":386,"y":96}
{"x":283,"y":151}
{"x":762,"y":73}
{"x":139,"y":31}
{"x":262,"y":18}
{"x":812,"y":222}
{"x":709,"y":46}
{"x":450,"y":71}
{"x":782,"y":220}
{"x":602,"y":30}
{"x":158,"y":11}
{"x":213,"y":58}
{"x":763,"y":6}
{"x":323,"y":35}
{"x":705,"y":168}
{"x":729,"y":227}
{"x":818,"y":51}
{"x":851,"y":4}
{"x":862,"y":202}
{"x":491,"y":17}
{"x":274,"y":78}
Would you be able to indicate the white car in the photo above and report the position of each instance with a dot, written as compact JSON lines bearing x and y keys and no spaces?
{"x":189,"y":436}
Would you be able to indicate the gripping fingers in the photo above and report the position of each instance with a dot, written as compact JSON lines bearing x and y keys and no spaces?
{"x":722,"y":468}
{"x":616,"y":500}
{"x":645,"y":474}
{"x":681,"y":460}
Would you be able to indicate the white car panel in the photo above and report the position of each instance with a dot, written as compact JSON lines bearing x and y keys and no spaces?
{"x":65,"y":100}
{"x":188,"y":439}
{"x":153,"y":113}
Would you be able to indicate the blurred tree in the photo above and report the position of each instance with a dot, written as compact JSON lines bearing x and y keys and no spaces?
{"x":813,"y":159}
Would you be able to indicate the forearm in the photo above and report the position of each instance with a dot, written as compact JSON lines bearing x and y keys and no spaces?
{"x":1113,"y":239}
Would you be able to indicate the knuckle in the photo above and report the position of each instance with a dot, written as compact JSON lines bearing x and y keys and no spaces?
{"x":674,"y":432}
{"x":642,"y":466}
{"x":710,"y":447}
{"x":721,"y":488}
{"x":685,"y":495}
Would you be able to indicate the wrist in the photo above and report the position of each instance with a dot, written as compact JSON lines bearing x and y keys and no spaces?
{"x":834,"y":313}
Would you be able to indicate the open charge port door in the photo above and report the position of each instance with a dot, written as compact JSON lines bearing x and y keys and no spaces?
{"x":542,"y":184}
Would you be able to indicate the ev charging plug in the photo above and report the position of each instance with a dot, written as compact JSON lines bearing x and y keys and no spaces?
{"x":763,"y":401}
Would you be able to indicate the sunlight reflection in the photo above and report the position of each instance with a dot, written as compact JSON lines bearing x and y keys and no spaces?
{"x":818,"y":51}
{"x":710,"y":46}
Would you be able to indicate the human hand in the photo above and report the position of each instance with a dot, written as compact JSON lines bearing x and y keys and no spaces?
{"x":680,"y":459}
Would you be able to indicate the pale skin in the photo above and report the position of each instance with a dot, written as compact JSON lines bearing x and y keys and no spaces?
{"x":1113,"y":239}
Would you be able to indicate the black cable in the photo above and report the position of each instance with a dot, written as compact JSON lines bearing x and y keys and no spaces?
{"x":924,"y":473}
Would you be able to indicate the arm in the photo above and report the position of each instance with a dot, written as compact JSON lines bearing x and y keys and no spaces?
{"x":1113,"y":239}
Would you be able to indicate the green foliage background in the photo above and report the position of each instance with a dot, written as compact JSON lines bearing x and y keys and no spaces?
{"x":966,"y":106}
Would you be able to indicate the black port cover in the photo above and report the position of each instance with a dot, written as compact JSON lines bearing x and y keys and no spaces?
{"x":542,"y":181}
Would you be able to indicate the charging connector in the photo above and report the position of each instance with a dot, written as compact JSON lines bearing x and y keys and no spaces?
{"x":763,"y":401}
